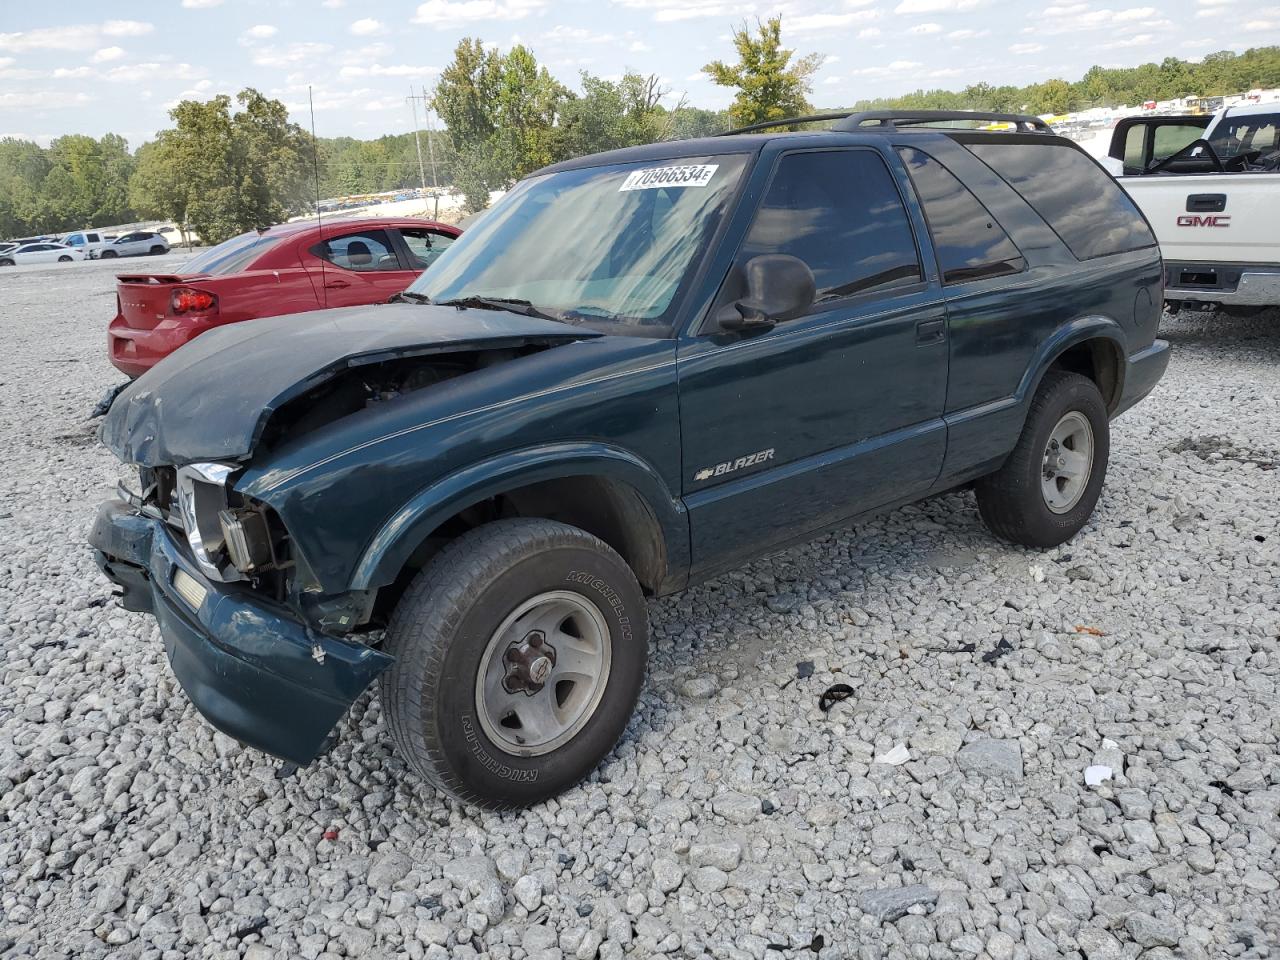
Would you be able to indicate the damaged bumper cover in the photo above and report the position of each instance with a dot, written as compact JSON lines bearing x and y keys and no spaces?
{"x":251,"y":668}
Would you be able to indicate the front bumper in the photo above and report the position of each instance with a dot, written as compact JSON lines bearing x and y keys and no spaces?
{"x":251,"y":668}
{"x":1142,"y":372}
{"x":1240,"y":284}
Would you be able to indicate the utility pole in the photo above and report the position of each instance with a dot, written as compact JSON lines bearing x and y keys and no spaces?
{"x":431,"y":150}
{"x":413,"y":104}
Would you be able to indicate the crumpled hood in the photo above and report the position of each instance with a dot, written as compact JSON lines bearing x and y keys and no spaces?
{"x":211,"y":399}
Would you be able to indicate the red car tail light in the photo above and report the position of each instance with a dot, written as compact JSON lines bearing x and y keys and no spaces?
{"x":187,"y":300}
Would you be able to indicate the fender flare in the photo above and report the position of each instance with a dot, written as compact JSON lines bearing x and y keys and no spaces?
{"x":1064,"y":338}
{"x":394,"y":543}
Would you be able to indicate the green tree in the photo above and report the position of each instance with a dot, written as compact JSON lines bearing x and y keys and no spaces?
{"x":223,"y":173}
{"x":769,"y":85}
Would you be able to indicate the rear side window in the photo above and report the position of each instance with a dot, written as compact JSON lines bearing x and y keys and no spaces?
{"x":969,"y":243}
{"x":231,"y":256}
{"x":839,"y":211}
{"x":364,"y":252}
{"x":1076,"y":197}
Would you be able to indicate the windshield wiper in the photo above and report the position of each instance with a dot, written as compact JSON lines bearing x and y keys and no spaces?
{"x":409,"y":296}
{"x":510,"y":304}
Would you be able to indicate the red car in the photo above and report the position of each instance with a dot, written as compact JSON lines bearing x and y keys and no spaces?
{"x":286,"y":269}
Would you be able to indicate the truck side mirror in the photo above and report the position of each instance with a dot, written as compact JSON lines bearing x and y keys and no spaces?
{"x":779,"y":287}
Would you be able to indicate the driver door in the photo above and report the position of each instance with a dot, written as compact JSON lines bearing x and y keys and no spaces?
{"x":791,"y":429}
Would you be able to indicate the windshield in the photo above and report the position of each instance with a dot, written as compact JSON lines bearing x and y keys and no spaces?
{"x":1244,"y":134}
{"x":230,"y":256}
{"x":603,"y":246}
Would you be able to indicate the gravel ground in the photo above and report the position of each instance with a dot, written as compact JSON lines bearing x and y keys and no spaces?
{"x":736,"y":819}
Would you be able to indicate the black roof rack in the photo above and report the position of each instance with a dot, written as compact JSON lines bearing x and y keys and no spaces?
{"x":873,"y":120}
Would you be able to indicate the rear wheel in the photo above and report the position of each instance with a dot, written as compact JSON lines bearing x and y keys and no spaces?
{"x":1047,"y":489}
{"x":156,"y":251}
{"x":520,"y":651}
{"x":64,"y":259}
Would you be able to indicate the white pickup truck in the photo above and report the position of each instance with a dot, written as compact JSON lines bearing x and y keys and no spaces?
{"x":1211,"y":188}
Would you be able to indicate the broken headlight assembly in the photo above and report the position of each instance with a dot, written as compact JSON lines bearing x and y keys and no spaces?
{"x":229,"y":541}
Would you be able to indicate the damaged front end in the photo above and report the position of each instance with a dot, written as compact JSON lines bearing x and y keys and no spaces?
{"x":217,"y":572}
{"x":265,"y":653}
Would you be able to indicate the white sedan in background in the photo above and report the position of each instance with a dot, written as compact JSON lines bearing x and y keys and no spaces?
{"x":40,"y":253}
{"x":140,"y":243}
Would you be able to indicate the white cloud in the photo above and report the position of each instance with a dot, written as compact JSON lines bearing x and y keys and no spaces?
{"x":367,"y":27}
{"x":1024,"y":49}
{"x":564,"y":34}
{"x":1070,"y":10}
{"x":394,"y":70}
{"x":107,"y":54}
{"x":1256,"y":25}
{"x":1214,"y":3}
{"x":868,"y":33}
{"x":67,"y":73}
{"x":200,"y":4}
{"x":261,"y":31}
{"x":334,"y":4}
{"x":922,"y":29}
{"x":673,"y":11}
{"x":1139,"y":40}
{"x":127,"y":28}
{"x":815,"y":22}
{"x":935,"y":6}
{"x":290,"y":54}
{"x":639,"y":46}
{"x":43,"y":99}
{"x":457,"y":12}
{"x":886,"y":70}
{"x":154,"y":70}
{"x":81,"y":36}
{"x":1135,"y":13}
{"x":967,"y":34}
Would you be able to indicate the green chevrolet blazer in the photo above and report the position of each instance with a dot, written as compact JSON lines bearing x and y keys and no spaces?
{"x":637,"y":370}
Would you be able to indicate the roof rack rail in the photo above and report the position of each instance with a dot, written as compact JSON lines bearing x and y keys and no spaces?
{"x":895,"y":119}
{"x":881,"y":120}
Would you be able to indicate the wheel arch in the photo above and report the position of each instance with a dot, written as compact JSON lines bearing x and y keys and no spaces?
{"x":1091,"y":346}
{"x":604,"y":490}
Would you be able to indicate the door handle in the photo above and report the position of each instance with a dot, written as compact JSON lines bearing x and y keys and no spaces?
{"x":337,"y":284}
{"x":930,"y":331}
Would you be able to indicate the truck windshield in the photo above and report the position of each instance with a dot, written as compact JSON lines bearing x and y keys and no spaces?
{"x":1247,"y":133}
{"x":607,"y":246}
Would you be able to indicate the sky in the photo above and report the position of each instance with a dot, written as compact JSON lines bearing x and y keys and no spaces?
{"x":119,"y":67}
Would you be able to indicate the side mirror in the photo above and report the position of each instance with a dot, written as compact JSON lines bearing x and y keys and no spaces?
{"x":779,"y":287}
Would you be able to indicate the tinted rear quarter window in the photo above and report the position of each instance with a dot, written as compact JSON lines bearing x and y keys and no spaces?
{"x":840,"y":212}
{"x":1076,"y":197}
{"x":969,"y":242}
{"x":230,"y":256}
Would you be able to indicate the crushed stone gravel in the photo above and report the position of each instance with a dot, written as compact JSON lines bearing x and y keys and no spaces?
{"x":735,"y":819}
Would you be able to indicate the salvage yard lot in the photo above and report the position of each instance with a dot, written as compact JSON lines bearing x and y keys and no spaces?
{"x":735,"y":814}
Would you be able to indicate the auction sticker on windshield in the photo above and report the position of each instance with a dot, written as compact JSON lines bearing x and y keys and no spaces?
{"x":689,"y":175}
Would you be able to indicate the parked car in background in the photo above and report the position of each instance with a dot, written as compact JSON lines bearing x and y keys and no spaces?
{"x":40,"y":253}
{"x":88,"y":242}
{"x":639,"y":370}
{"x":1211,"y":189}
{"x":286,"y":269}
{"x":140,"y":243}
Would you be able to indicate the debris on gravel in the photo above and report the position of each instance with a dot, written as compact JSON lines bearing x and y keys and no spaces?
{"x":737,"y":818}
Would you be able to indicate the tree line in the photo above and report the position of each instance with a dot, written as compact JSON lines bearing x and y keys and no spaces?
{"x":227,"y":165}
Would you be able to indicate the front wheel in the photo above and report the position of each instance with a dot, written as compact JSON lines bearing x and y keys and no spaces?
{"x":5,"y":262}
{"x":109,"y":254}
{"x":1047,"y":489}
{"x":520,"y":651}
{"x":64,"y":259}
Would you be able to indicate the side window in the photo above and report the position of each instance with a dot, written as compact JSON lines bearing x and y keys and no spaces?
{"x":365,"y":252}
{"x":1135,"y":145}
{"x":75,"y":240}
{"x":1169,"y":138}
{"x":424,"y":245}
{"x":840,"y":212}
{"x":93,"y":238}
{"x":969,"y":243}
{"x":1077,"y":199}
